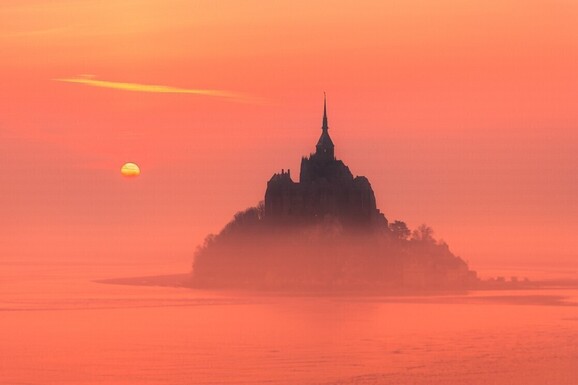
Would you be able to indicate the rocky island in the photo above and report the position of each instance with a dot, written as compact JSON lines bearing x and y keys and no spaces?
{"x":325,"y":232}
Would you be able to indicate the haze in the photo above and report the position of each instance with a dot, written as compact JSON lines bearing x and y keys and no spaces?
{"x":461,"y":114}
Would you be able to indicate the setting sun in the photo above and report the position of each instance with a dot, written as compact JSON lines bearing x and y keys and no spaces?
{"x":130,"y":169}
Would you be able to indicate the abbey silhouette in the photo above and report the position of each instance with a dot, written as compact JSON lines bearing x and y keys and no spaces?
{"x":324,"y":232}
{"x":326,"y":188}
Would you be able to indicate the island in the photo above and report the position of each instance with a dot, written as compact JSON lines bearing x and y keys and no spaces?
{"x":325,"y":232}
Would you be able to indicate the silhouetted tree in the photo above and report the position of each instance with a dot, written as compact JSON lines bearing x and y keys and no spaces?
{"x":244,"y":220}
{"x":423,"y":233}
{"x":260,"y":210}
{"x":399,"y":230}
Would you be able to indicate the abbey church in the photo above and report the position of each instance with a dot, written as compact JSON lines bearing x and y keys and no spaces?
{"x":324,"y":232}
{"x":326,"y":189}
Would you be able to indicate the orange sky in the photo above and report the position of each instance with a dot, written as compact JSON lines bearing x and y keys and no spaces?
{"x":462,"y":114}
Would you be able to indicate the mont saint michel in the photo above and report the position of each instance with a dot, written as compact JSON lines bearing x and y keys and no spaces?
{"x":326,"y":189}
{"x":324,"y":231}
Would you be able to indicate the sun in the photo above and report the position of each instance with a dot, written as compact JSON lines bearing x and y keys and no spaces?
{"x":130,"y":169}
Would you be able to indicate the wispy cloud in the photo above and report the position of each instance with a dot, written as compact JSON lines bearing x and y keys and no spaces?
{"x":89,"y":80}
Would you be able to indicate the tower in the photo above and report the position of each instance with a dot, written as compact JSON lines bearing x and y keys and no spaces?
{"x":326,"y":189}
{"x":325,"y":147}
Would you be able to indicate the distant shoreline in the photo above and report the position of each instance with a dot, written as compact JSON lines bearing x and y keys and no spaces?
{"x":185,"y":281}
{"x":170,"y":280}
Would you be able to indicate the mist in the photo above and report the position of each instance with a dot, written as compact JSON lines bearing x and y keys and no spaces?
{"x":254,"y":252}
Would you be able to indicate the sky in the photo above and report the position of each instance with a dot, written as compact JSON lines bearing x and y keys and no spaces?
{"x":462,"y":114}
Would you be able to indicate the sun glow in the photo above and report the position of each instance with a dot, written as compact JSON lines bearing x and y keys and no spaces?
{"x":130,"y":169}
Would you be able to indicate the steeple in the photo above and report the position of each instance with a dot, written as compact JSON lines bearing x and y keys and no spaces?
{"x":325,"y":145}
{"x":325,"y":126}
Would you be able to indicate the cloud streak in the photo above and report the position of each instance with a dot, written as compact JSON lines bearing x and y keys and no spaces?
{"x":89,"y":80}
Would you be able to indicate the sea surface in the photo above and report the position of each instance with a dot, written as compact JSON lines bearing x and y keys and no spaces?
{"x":59,"y":326}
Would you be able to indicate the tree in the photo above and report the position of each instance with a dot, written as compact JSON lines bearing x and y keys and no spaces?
{"x":399,"y":230}
{"x":260,"y":210}
{"x":243,"y":221}
{"x":423,"y":233}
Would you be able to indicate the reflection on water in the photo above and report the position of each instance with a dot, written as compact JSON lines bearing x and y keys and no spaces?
{"x":59,"y":326}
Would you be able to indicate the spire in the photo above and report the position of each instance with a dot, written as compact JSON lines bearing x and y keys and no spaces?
{"x":325,"y":144}
{"x":325,"y":126}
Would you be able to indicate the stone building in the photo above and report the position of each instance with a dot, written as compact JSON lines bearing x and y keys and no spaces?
{"x":326,"y":189}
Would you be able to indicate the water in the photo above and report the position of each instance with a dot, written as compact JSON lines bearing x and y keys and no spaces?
{"x":58,"y":326}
